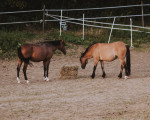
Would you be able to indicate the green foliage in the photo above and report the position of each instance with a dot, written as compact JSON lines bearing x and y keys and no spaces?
{"x":117,"y":35}
{"x":16,"y":3}
{"x":67,"y":36}
{"x":70,"y":38}
{"x":10,"y":41}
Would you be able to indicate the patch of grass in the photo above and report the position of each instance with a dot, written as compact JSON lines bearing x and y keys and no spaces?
{"x":10,"y":41}
{"x":143,"y":48}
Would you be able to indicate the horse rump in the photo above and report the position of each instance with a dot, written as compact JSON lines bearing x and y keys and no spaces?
{"x":22,"y":58}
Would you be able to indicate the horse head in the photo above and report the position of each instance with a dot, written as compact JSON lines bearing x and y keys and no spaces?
{"x":62,"y":47}
{"x":83,"y":62}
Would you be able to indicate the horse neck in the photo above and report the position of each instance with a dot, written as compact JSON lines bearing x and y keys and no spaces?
{"x":88,"y":55}
{"x":54,"y":48}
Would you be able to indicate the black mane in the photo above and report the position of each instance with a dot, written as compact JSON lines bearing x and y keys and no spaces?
{"x":86,"y":50}
{"x":55,"y":43}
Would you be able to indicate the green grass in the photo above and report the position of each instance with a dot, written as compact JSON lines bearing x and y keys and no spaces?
{"x":10,"y":41}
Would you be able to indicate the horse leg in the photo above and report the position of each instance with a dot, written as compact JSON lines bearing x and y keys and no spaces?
{"x":47,"y":68}
{"x":18,"y":69}
{"x":126,"y":72}
{"x":24,"y":71}
{"x":44,"y":65}
{"x":122,"y":66}
{"x":102,"y":66}
{"x":94,"y":68}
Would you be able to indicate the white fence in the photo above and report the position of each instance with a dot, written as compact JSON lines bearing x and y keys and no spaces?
{"x":83,"y":21}
{"x":86,"y":21}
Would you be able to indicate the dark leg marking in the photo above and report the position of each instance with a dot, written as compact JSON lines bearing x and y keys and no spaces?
{"x":24,"y":70}
{"x":44,"y":65}
{"x":47,"y":67}
{"x":102,"y":67}
{"x":18,"y":68}
{"x":120,"y":75}
{"x":93,"y":74}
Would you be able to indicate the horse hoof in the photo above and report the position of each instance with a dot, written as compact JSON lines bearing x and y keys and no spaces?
{"x":18,"y":79}
{"x":19,"y":82}
{"x":120,"y":76}
{"x":27,"y":81}
{"x":45,"y":78}
{"x":92,"y":76}
{"x":126,"y":77}
{"x":103,"y":76}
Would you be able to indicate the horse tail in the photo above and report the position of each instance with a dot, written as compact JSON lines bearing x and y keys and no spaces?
{"x":128,"y":64}
{"x":20,"y":55}
{"x":22,"y":58}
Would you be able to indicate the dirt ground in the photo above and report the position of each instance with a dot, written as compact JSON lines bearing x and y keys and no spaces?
{"x":77,"y":99}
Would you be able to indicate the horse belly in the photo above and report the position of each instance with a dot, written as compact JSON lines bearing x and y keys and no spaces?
{"x":38,"y":55}
{"x":108,"y":57}
{"x":36,"y":59}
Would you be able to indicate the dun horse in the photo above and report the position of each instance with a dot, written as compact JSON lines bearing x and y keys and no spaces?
{"x":38,"y":52}
{"x":107,"y":52}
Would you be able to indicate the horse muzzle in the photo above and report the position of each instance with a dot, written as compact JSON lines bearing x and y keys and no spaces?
{"x":83,"y":67}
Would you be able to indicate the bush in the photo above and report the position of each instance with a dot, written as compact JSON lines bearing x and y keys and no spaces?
{"x":67,"y":36}
{"x":10,"y":41}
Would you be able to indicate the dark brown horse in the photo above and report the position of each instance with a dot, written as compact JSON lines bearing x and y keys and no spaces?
{"x":107,"y":52}
{"x":38,"y":52}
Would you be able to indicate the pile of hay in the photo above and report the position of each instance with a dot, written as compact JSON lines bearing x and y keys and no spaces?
{"x":69,"y":72}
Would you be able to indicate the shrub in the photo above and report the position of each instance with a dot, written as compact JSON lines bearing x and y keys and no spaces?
{"x":12,"y":40}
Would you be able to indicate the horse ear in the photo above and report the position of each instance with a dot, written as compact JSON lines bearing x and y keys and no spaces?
{"x":61,"y":41}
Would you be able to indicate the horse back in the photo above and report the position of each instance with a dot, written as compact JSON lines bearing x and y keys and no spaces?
{"x":36,"y":52}
{"x":109,"y":52}
{"x":41,"y":52}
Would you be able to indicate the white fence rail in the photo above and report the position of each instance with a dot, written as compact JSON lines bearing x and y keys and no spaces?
{"x":80,"y":20}
{"x":14,"y":12}
{"x":83,"y":21}
{"x":22,"y":22}
{"x":102,"y":8}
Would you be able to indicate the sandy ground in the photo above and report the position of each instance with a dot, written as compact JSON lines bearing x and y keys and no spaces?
{"x":79,"y":99}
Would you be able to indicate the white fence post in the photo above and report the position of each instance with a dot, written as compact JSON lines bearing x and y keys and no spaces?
{"x":43,"y":18}
{"x":131,"y":31}
{"x":83,"y":26}
{"x":60,"y":22}
{"x":142,"y":14}
{"x":111,"y":29}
